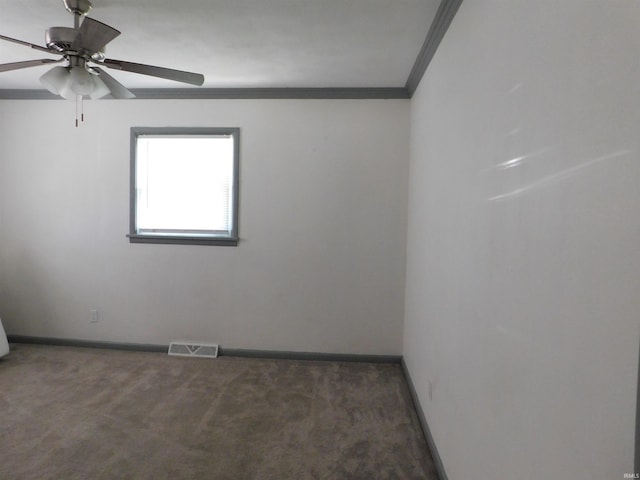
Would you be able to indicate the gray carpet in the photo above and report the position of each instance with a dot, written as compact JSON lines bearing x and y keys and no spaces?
{"x":76,"y":413}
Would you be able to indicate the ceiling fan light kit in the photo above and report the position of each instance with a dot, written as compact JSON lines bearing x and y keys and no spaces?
{"x":81,"y":46}
{"x":69,"y":82}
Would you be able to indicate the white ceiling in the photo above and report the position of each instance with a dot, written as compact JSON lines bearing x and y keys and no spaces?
{"x":238,"y":43}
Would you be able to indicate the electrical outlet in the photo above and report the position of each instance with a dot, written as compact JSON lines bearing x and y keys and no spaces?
{"x":94,"y":316}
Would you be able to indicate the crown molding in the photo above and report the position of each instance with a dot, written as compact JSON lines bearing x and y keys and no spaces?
{"x":232,"y":93}
{"x":444,"y":16}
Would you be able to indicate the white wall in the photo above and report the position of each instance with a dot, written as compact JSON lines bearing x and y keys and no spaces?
{"x":523,"y":278}
{"x":320,"y":266}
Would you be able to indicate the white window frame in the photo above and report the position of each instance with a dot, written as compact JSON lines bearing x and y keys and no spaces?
{"x":169,"y":236}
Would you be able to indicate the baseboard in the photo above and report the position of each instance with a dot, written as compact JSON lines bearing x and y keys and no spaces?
{"x":311,"y":356}
{"x":68,"y":342}
{"x":229,"y":352}
{"x":637,"y":452}
{"x":442,"y":475}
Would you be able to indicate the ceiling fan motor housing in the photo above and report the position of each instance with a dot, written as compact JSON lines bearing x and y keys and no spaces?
{"x":60,"y":38}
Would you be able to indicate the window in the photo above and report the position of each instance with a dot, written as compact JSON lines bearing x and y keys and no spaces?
{"x":184,"y":185}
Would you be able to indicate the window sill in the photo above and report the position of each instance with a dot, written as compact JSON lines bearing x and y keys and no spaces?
{"x":185,"y":240}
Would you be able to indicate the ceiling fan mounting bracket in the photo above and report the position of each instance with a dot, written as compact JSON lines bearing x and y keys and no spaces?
{"x":77,"y":7}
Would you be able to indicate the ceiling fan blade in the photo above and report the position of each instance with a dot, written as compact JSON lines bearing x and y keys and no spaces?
{"x":168,"y":73}
{"x":27,"y":44}
{"x":93,"y":35}
{"x":7,"y":67}
{"x":118,"y":90}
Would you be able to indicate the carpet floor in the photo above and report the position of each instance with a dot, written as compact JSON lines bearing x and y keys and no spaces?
{"x":79,"y":413}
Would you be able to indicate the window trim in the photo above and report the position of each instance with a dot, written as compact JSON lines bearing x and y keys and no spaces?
{"x":232,"y":239}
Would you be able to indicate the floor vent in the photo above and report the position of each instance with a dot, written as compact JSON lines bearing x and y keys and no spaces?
{"x":185,"y":349}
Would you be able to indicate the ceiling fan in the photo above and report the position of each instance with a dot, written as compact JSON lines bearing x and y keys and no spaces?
{"x":82,"y":47}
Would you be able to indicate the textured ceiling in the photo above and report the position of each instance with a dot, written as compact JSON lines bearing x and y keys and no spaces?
{"x":239,"y":43}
